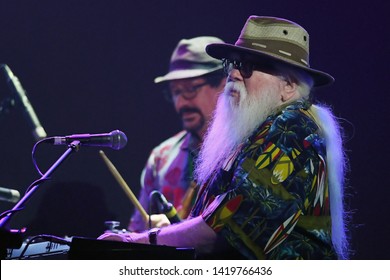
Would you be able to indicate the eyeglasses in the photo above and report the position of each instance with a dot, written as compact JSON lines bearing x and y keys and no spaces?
{"x":187,"y":93}
{"x":245,"y":67}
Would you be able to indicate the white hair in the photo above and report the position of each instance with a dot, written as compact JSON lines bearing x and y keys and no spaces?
{"x":336,"y":163}
{"x":336,"y":166}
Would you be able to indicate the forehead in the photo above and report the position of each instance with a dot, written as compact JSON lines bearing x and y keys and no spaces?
{"x":189,"y":82}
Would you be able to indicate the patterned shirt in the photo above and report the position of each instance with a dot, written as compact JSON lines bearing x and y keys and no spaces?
{"x":168,"y":170}
{"x":273,"y":201}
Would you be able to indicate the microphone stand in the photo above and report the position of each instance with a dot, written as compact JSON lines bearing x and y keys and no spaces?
{"x":14,"y":238}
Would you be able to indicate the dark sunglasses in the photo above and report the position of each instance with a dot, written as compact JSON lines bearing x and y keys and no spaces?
{"x":245,"y":67}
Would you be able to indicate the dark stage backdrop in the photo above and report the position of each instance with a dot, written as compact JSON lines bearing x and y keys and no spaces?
{"x":88,"y":67}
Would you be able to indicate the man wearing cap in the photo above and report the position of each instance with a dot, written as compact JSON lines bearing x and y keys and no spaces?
{"x":271,"y":167}
{"x":194,"y":82}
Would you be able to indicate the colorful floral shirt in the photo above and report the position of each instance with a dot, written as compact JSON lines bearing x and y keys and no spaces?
{"x":168,"y":170}
{"x":272,"y":203}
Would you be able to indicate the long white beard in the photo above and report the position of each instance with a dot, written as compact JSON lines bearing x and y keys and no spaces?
{"x":232,"y":124}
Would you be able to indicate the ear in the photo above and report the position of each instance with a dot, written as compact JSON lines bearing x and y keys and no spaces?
{"x":289,"y":90}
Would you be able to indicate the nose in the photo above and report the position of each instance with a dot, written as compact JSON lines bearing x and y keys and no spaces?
{"x":235,"y":75}
{"x":180,"y":101}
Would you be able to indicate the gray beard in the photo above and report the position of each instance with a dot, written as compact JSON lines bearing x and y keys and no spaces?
{"x":233,"y":122}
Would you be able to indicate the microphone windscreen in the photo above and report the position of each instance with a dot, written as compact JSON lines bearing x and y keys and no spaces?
{"x":119,"y":139}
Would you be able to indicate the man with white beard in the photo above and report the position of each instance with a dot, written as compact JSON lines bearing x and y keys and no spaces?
{"x":271,"y":167}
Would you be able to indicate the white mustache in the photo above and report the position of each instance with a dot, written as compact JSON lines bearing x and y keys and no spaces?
{"x":232,"y":86}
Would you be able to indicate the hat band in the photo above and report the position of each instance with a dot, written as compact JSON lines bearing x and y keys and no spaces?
{"x":192,"y":65}
{"x":284,"y":50}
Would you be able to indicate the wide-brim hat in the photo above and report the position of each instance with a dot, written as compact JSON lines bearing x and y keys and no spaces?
{"x":269,"y":41}
{"x":190,"y":60}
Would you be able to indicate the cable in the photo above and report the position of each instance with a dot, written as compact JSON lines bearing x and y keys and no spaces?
{"x":33,"y":153}
{"x":50,"y":238}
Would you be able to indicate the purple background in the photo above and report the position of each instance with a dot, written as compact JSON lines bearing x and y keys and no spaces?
{"x":88,"y":67}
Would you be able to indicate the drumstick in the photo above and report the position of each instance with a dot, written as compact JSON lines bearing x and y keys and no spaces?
{"x":124,"y":186}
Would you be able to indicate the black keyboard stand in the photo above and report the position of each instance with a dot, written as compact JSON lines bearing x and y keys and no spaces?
{"x":92,"y":249}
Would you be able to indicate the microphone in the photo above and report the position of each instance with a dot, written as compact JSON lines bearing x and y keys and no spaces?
{"x":166,"y":207}
{"x":17,"y":89}
{"x":115,"y":139}
{"x":9,"y":195}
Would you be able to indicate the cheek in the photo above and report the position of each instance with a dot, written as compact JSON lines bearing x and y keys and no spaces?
{"x":209,"y":106}
{"x":253,"y":86}
{"x":177,"y":108}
